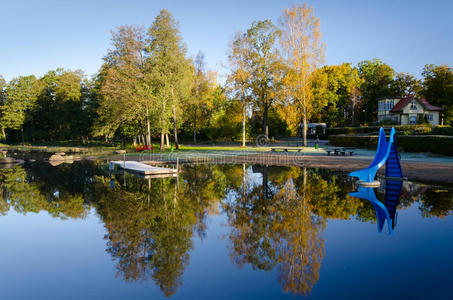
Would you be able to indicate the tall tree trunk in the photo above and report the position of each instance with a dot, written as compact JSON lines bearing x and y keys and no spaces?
{"x":162,"y":124}
{"x":3,"y":134}
{"x":167,"y":140}
{"x":195,"y":126}
{"x":243,"y":123}
{"x":162,"y":140}
{"x":305,"y":129}
{"x":175,"y":128}
{"x":134,"y":141}
{"x":265,"y":128}
{"x":148,"y":128}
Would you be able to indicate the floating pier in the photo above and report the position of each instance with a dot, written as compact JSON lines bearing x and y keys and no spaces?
{"x":142,"y":169}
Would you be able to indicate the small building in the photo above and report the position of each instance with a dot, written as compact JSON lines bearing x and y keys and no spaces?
{"x":407,"y":111}
{"x":311,"y":128}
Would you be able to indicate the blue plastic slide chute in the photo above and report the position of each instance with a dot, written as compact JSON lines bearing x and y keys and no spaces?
{"x":381,"y":210}
{"x":386,"y":153}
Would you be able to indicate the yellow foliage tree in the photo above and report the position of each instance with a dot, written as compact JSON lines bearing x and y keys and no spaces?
{"x":303,"y":54}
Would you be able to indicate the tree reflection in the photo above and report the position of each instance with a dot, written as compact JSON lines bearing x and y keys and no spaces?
{"x":437,"y":203}
{"x":24,"y":193}
{"x":280,"y":223}
{"x":150,"y":223}
{"x":277,"y":215}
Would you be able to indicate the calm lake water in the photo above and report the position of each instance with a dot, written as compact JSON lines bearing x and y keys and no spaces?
{"x":75,"y":231}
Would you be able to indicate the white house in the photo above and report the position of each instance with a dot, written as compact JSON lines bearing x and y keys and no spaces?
{"x":407,"y":111}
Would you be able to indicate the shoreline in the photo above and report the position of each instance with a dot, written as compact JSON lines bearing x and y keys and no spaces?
{"x":414,"y":170}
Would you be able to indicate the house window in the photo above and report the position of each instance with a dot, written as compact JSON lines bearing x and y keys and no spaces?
{"x":413,"y":105}
{"x":413,"y":120}
{"x":429,"y":117}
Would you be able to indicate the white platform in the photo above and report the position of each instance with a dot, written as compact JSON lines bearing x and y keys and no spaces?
{"x":141,"y":168}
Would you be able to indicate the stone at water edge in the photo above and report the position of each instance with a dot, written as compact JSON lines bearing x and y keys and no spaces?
{"x":7,"y":160}
{"x":120,"y":151}
{"x":60,"y":153}
{"x":56,"y":157}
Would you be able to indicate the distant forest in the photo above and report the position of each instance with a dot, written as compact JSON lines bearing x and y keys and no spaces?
{"x":149,"y":89}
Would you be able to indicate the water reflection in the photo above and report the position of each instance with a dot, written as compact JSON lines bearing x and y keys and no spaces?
{"x":276,"y":215}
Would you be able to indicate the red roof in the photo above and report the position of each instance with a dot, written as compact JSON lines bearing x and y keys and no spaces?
{"x":405,"y":101}
{"x":428,"y":106}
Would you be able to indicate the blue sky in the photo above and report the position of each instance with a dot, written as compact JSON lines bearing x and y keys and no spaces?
{"x":37,"y":36}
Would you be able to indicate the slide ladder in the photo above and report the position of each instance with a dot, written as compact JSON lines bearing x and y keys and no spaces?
{"x":392,"y":197}
{"x":392,"y":165}
{"x":386,"y":153}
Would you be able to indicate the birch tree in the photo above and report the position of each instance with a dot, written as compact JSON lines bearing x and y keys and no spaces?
{"x":303,"y":54}
{"x":239,"y":79}
{"x":127,"y":96}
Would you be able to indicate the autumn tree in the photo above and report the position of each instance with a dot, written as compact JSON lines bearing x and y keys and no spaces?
{"x":335,"y":85}
{"x":303,"y":54}
{"x":170,"y":70}
{"x":238,"y":80}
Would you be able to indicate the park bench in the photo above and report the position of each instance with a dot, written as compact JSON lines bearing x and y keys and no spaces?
{"x":286,"y":149}
{"x":341,"y":151}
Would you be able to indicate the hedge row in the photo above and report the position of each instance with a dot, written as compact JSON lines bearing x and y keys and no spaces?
{"x":401,"y":130}
{"x":437,"y":144}
{"x":359,"y":141}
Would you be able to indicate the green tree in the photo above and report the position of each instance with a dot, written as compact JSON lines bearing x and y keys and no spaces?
{"x":259,"y":63}
{"x":438,"y":89}
{"x":18,"y":98}
{"x":170,"y":70}
{"x":405,"y":84}
{"x":2,"y":90}
{"x":126,"y":94}
{"x":377,"y":82}
{"x":58,"y":113}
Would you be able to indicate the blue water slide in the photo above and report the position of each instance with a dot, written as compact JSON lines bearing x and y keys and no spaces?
{"x":381,"y":210}
{"x":382,"y":153}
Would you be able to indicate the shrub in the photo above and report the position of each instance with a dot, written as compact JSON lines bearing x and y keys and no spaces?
{"x":422,"y":129}
{"x":442,"y":130}
{"x":427,"y":143}
{"x":359,"y":141}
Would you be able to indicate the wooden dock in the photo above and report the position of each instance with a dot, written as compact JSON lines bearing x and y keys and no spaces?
{"x":141,"y":168}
